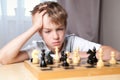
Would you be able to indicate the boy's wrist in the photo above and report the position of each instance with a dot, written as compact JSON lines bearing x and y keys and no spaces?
{"x":36,"y":28}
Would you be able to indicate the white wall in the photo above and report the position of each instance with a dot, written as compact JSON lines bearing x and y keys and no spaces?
{"x":13,"y":28}
{"x":110,"y":27}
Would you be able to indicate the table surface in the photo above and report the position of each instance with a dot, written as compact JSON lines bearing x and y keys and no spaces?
{"x":18,"y":71}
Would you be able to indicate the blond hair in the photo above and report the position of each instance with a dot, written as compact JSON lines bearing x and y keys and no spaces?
{"x":55,"y":11}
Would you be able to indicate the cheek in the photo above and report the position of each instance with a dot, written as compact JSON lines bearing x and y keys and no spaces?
{"x":46,"y":37}
{"x":62,"y":35}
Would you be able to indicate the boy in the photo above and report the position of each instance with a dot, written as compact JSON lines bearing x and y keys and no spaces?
{"x":50,"y":21}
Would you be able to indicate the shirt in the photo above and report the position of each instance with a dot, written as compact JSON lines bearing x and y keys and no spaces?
{"x":71,"y":42}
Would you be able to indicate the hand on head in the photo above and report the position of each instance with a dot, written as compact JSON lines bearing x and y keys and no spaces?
{"x":37,"y":16}
{"x":37,"y":19}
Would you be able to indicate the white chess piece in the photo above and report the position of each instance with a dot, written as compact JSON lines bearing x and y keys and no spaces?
{"x":100,"y":62}
{"x":68,"y":57}
{"x":57,"y":59}
{"x":35,"y":58}
{"x":112,"y":60}
{"x":76,"y":57}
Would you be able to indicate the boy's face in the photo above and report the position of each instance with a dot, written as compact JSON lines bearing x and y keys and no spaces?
{"x":52,"y":34}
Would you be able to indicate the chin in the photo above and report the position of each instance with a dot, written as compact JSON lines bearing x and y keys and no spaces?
{"x":56,"y":46}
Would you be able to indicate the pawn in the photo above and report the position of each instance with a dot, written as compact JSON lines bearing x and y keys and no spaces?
{"x":100,"y":62}
{"x":112,"y":60}
{"x":76,"y":58}
{"x":49,"y":59}
{"x":42,"y":61}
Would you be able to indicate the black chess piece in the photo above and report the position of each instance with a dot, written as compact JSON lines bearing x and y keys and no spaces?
{"x":92,"y":57}
{"x":42,"y":61}
{"x":31,"y":60}
{"x":62,"y":56}
{"x":50,"y":58}
{"x":65,"y":63}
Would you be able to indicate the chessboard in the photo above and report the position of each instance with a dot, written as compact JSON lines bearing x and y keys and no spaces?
{"x":56,"y":71}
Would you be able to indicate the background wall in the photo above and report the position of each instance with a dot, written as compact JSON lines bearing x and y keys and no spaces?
{"x":110,"y":23}
{"x":109,"y":26}
{"x":83,"y":18}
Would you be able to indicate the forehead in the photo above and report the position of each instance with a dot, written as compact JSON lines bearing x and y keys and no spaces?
{"x":48,"y":23}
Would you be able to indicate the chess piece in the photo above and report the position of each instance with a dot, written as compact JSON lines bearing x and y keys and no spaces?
{"x":100,"y":62}
{"x":112,"y":60}
{"x":57,"y":59}
{"x":92,"y":57}
{"x":49,"y":58}
{"x":76,"y":57}
{"x":42,"y":61}
{"x":65,"y":63}
{"x":62,"y":56}
{"x":35,"y":59}
{"x":68,"y":57}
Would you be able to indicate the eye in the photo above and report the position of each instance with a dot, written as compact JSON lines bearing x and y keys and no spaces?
{"x":47,"y":31}
{"x":60,"y":29}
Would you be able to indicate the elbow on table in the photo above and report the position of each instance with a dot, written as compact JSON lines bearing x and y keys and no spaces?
{"x":3,"y":59}
{"x":3,"y":62}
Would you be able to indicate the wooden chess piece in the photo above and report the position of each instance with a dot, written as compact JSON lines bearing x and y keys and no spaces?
{"x":62,"y":56}
{"x":68,"y":57}
{"x":57,"y":59}
{"x":100,"y":62}
{"x":112,"y":60}
{"x":42,"y":61}
{"x":35,"y":59}
{"x":65,"y":63}
{"x":76,"y":57}
{"x":49,"y":58}
{"x":92,"y":57}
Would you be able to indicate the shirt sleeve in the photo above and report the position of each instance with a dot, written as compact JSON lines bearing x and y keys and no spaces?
{"x":84,"y":45}
{"x":30,"y":48}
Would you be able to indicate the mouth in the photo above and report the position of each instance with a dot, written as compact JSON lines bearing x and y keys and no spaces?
{"x":56,"y":43}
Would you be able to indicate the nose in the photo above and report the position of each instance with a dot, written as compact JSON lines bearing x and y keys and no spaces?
{"x":55,"y":35}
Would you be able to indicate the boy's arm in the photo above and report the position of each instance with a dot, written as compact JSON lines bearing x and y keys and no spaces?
{"x":11,"y":51}
{"x":19,"y":58}
{"x":107,"y":52}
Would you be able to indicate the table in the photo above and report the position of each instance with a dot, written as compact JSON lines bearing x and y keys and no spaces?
{"x":17,"y":71}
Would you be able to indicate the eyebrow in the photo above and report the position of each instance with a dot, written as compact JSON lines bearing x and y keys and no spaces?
{"x":46,"y":29}
{"x":50,"y":29}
